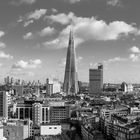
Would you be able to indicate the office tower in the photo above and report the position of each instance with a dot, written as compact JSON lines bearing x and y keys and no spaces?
{"x":96,"y":80}
{"x":37,"y":113}
{"x":70,"y":86}
{"x":49,"y":88}
{"x":4,"y":104}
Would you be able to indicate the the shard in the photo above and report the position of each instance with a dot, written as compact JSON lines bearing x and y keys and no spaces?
{"x":70,"y":86}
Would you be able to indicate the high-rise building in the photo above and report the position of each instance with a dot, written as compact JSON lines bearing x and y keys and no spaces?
{"x":37,"y":113}
{"x":70,"y":86}
{"x":4,"y":104}
{"x":49,"y":88}
{"x":96,"y":80}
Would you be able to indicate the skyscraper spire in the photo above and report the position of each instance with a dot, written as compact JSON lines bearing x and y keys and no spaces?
{"x":70,"y":86}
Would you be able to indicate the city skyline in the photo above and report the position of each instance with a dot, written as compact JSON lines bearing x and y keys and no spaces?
{"x":34,"y":38}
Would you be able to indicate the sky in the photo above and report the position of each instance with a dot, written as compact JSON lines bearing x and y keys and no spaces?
{"x":34,"y":38}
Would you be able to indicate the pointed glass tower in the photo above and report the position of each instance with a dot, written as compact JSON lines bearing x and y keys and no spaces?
{"x":70,"y":86}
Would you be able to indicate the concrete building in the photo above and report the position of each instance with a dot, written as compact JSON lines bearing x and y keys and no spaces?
{"x":96,"y":80}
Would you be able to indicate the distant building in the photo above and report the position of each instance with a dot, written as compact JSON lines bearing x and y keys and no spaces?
{"x":126,"y":87}
{"x":52,"y":87}
{"x":49,"y":88}
{"x":18,"y":90}
{"x":96,"y":80}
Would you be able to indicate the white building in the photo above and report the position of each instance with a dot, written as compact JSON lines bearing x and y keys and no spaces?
{"x":1,"y":133}
{"x":50,"y":130}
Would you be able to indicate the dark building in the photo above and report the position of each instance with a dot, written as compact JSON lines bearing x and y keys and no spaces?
{"x":70,"y":86}
{"x":59,"y":114}
{"x":96,"y":80}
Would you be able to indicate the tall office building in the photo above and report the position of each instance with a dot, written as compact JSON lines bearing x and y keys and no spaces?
{"x":37,"y":113}
{"x":49,"y":88}
{"x":96,"y":80}
{"x":70,"y":86}
{"x":4,"y":104}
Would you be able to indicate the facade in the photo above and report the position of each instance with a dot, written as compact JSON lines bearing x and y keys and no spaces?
{"x":23,"y":111}
{"x":37,"y":113}
{"x":59,"y":114}
{"x":70,"y":86}
{"x":45,"y":114}
{"x":49,"y":88}
{"x":96,"y":80}
{"x":4,"y":104}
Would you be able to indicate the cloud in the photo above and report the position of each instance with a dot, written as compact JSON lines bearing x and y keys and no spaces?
{"x":1,"y":34}
{"x":29,"y":18}
{"x":108,"y":62}
{"x":115,"y":59}
{"x":134,"y":57}
{"x":79,"y":59}
{"x":2,"y":45}
{"x":28,"y":36}
{"x":54,"y":10}
{"x":92,"y":29}
{"x":134,"y":49}
{"x":135,"y":54}
{"x":37,"y":14}
{"x":47,"y":31}
{"x":114,"y":2}
{"x":73,"y":1}
{"x":61,"y":42}
{"x":27,"y":64}
{"x":61,"y":18}
{"x":19,"y":2}
{"x":26,"y":23}
{"x":5,"y":56}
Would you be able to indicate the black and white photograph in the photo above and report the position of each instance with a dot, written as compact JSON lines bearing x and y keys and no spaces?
{"x":69,"y":69}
